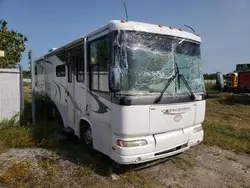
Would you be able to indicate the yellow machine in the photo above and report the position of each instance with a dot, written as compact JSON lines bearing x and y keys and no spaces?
{"x":231,"y":80}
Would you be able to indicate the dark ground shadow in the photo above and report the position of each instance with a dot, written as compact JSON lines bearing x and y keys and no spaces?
{"x":230,"y":98}
{"x":237,"y":99}
{"x":73,"y":150}
{"x":101,"y":164}
{"x":47,"y":135}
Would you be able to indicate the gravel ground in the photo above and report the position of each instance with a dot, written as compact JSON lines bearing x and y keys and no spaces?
{"x":202,"y":166}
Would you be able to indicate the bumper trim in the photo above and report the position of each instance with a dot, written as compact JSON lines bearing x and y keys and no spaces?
{"x":172,"y":149}
{"x":136,"y":159}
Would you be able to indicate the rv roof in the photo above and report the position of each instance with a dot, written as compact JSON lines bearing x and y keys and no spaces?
{"x":132,"y":26}
{"x":152,"y":28}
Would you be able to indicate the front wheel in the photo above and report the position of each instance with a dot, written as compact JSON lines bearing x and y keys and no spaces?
{"x":86,"y":135}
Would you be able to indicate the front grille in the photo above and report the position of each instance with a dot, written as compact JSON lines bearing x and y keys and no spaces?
{"x":171,"y":150}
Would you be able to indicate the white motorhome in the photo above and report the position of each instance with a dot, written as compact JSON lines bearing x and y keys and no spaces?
{"x":133,"y":91}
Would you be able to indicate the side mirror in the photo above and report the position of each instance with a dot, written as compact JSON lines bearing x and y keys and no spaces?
{"x":114,"y":79}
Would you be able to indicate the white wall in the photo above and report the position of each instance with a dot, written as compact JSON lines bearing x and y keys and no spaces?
{"x":27,"y":80}
{"x":10,"y":94}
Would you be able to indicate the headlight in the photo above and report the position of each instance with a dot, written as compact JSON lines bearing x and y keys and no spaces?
{"x":132,"y":143}
{"x":197,"y":129}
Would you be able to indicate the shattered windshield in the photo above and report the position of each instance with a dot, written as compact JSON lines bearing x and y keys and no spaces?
{"x":147,"y":62}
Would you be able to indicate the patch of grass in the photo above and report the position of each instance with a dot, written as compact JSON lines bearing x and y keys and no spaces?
{"x":82,"y":172}
{"x":28,"y":136}
{"x":17,"y":175}
{"x":227,"y":122}
{"x":46,"y":135}
{"x":49,"y":167}
{"x":236,"y":99}
{"x":77,"y":152}
{"x":15,"y":138}
{"x":246,"y":186}
{"x":210,"y":86}
{"x":26,"y":91}
{"x":8,"y":123}
{"x":227,"y":136}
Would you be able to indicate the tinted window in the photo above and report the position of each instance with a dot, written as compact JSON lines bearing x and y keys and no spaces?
{"x":35,"y":70}
{"x":70,"y":72}
{"x":99,"y":58}
{"x":39,"y":68}
{"x":60,"y":70}
{"x":80,"y":70}
{"x":188,"y":48}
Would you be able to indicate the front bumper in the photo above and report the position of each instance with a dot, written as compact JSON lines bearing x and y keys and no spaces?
{"x":149,"y":153}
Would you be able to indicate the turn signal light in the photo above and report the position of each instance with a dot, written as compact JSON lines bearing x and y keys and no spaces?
{"x":197,"y":129}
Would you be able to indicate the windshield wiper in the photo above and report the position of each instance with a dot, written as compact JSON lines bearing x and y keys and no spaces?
{"x":158,"y":99}
{"x":180,"y":76}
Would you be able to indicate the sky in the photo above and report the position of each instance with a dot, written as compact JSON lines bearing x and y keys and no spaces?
{"x":224,"y":25}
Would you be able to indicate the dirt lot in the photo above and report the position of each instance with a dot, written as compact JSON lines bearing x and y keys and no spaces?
{"x":202,"y":166}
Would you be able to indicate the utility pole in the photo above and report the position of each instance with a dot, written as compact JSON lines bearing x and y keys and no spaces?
{"x":2,"y":53}
{"x":32,"y":72}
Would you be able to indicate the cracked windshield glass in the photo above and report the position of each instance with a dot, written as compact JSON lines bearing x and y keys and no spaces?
{"x":147,"y":62}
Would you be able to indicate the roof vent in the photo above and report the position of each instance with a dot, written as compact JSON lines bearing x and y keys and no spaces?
{"x":52,"y":49}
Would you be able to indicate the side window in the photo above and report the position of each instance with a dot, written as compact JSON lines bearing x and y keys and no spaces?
{"x":99,"y":58}
{"x":80,"y":70}
{"x":60,"y":71}
{"x":69,"y":72}
{"x":77,"y":62}
{"x":39,"y":68}
{"x":35,"y":70}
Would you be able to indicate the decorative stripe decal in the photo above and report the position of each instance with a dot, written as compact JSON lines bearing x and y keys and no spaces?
{"x":60,"y":94}
{"x":76,"y":106}
{"x":102,"y":107}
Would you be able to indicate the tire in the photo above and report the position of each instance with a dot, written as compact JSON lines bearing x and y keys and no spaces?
{"x":86,"y":134}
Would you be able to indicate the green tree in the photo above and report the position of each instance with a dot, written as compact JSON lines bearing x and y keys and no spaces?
{"x":245,"y":67}
{"x":26,"y":74}
{"x":13,"y":43}
{"x":211,"y":76}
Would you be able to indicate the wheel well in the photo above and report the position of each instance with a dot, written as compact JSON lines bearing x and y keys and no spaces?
{"x":84,"y":126}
